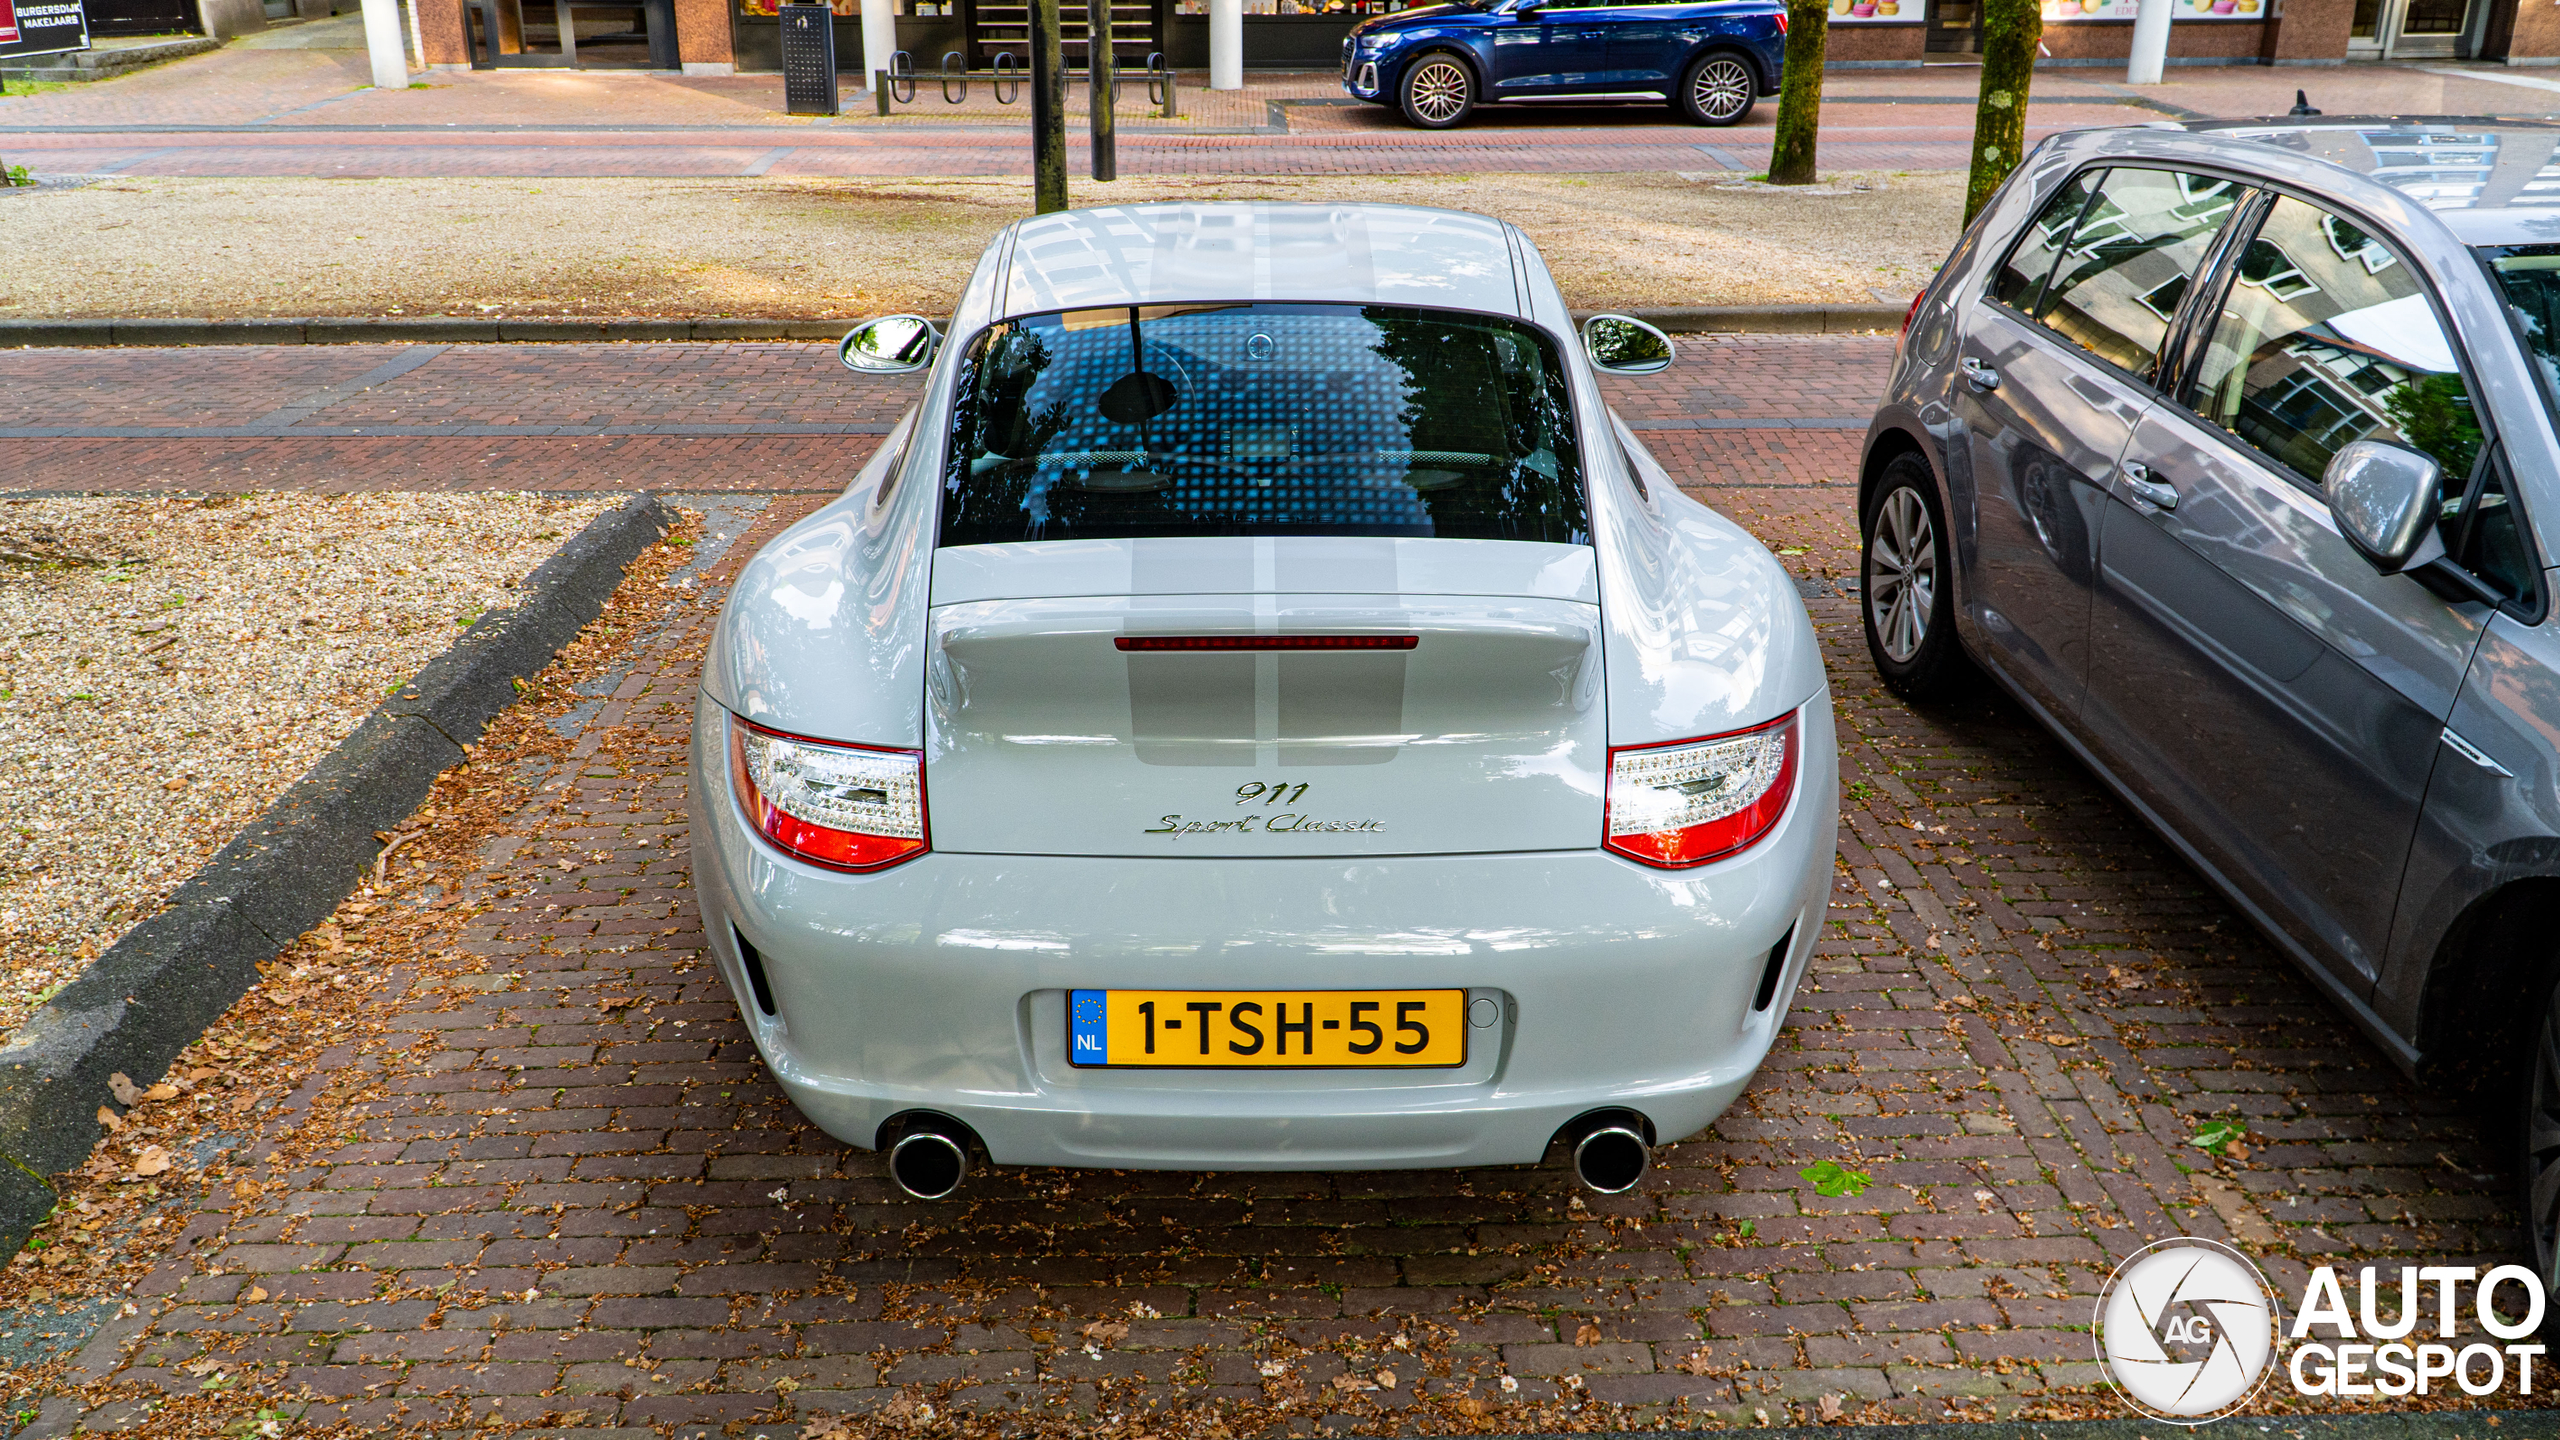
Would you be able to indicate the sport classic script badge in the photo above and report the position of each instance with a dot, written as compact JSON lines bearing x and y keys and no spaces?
{"x":1265,"y":820}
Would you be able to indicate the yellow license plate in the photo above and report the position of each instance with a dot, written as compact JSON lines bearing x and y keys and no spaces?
{"x":1267,"y":1028}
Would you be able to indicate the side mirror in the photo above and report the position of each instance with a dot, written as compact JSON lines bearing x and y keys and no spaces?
{"x":1624,"y":345}
{"x":890,"y":345}
{"x":2384,"y":497}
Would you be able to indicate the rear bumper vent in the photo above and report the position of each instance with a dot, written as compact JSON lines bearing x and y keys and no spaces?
{"x":754,"y":965}
{"x":1770,"y":973}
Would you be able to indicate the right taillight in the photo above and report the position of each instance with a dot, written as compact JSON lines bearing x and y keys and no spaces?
{"x":848,"y":807}
{"x":1913,"y":312}
{"x":1692,"y":801}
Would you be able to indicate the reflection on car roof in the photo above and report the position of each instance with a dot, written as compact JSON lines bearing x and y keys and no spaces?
{"x":2446,"y":163}
{"x":1251,"y":250}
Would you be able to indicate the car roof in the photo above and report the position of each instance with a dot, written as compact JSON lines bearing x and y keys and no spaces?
{"x":1258,"y":250}
{"x":2492,"y":180}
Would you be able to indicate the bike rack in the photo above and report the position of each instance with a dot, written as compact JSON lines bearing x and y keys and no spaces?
{"x":1006,"y":77}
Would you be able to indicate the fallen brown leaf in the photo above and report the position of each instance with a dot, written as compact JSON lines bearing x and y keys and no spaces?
{"x":1588,"y":1334}
{"x":110,"y":1119}
{"x":162,"y":1091}
{"x":253,"y":1295}
{"x":152,"y":1161}
{"x":122,"y":1087}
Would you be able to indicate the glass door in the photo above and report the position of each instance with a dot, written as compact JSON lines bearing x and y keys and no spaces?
{"x":1954,"y":27}
{"x":2409,"y":29}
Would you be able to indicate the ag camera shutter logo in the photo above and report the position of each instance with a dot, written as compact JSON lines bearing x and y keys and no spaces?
{"x":2185,"y":1330}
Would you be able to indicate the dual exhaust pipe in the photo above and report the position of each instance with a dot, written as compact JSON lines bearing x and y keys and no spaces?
{"x":1610,"y":1151}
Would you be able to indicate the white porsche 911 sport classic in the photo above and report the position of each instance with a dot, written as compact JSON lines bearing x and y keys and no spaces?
{"x":1261,"y":709}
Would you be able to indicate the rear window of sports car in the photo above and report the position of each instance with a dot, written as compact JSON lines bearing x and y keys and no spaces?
{"x":1261,"y":420}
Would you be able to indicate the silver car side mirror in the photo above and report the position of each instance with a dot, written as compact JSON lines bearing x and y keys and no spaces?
{"x":1624,"y":345}
{"x":2384,"y":497}
{"x":890,"y":345}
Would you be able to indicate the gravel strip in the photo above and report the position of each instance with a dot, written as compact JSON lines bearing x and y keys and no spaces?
{"x":831,"y":249}
{"x":168,"y":667}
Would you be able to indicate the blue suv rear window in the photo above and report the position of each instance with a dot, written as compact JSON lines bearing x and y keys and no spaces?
{"x":1262,"y":420}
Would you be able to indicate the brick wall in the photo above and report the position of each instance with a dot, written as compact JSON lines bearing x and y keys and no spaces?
{"x":702,"y":32}
{"x":2113,"y":41}
{"x":442,"y":32}
{"x":2306,"y":32}
{"x":1870,"y":44}
{"x":2523,"y":30}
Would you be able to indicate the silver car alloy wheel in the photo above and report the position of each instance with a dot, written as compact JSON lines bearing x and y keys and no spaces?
{"x":1438,"y":91}
{"x":1722,"y":88}
{"x":2542,"y":1145}
{"x":1902,"y":574}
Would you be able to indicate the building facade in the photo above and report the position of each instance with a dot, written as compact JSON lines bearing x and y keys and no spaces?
{"x":723,"y":36}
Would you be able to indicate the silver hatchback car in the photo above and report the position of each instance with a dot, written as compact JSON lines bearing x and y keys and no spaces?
{"x":2230,"y":453}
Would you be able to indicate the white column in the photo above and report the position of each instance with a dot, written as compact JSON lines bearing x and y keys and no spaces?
{"x":2150,"y":43}
{"x":879,"y":38}
{"x":1226,"y":44}
{"x":382,"y":41}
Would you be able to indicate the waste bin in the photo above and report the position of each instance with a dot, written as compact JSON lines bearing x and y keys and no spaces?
{"x":809,"y":60}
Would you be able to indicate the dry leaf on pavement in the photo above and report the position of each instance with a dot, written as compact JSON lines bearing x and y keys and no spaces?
{"x":123,"y":1088}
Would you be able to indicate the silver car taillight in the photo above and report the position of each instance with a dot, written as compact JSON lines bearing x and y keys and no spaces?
{"x":1692,"y":801}
{"x":849,"y":807}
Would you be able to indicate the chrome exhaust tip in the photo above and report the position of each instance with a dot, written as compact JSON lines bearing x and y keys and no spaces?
{"x":932,"y":1158}
{"x":1612,"y":1159}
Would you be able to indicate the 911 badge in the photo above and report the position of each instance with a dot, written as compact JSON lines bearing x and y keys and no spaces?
{"x":1262,"y":821}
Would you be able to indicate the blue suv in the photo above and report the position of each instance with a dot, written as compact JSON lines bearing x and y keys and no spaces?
{"x":1435,"y":65}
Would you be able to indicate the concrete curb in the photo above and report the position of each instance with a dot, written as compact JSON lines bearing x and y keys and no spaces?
{"x":397,"y":329}
{"x":2371,"y":1425}
{"x":137,"y":1006}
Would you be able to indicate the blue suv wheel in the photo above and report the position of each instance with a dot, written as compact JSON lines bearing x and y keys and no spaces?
{"x":1436,"y":91}
{"x":1718,"y":90}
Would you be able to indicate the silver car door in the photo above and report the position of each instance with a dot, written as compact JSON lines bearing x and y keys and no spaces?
{"x":2054,"y":370}
{"x":2271,"y":697}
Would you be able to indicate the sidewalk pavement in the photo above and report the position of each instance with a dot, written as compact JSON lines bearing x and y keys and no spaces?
{"x":253,"y":109}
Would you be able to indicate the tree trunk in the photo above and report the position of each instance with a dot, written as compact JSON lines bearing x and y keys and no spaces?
{"x":2010,"y":30}
{"x":1102,"y":85}
{"x":1048,"y":110}
{"x":1800,"y":93}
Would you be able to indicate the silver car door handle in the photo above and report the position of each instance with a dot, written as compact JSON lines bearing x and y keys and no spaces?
{"x":1979,"y":375}
{"x":2137,"y":478}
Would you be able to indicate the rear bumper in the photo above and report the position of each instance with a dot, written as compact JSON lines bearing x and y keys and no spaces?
{"x":941,"y":985}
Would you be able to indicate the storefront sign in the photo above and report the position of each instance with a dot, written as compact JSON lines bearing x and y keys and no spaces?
{"x":2059,"y":11}
{"x":1878,"y":12}
{"x":45,"y":27}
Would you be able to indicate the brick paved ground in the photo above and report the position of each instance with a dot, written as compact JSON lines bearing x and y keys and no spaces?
{"x":2022,"y":1010}
{"x":152,"y":419}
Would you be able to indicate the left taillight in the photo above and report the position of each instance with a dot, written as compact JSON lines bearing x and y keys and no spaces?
{"x":847,"y":807}
{"x":1782,"y":22}
{"x":1693,"y":801}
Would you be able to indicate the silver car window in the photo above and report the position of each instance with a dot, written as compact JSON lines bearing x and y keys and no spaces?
{"x":2327,"y":337}
{"x":2020,"y":282}
{"x":2130,"y":260}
